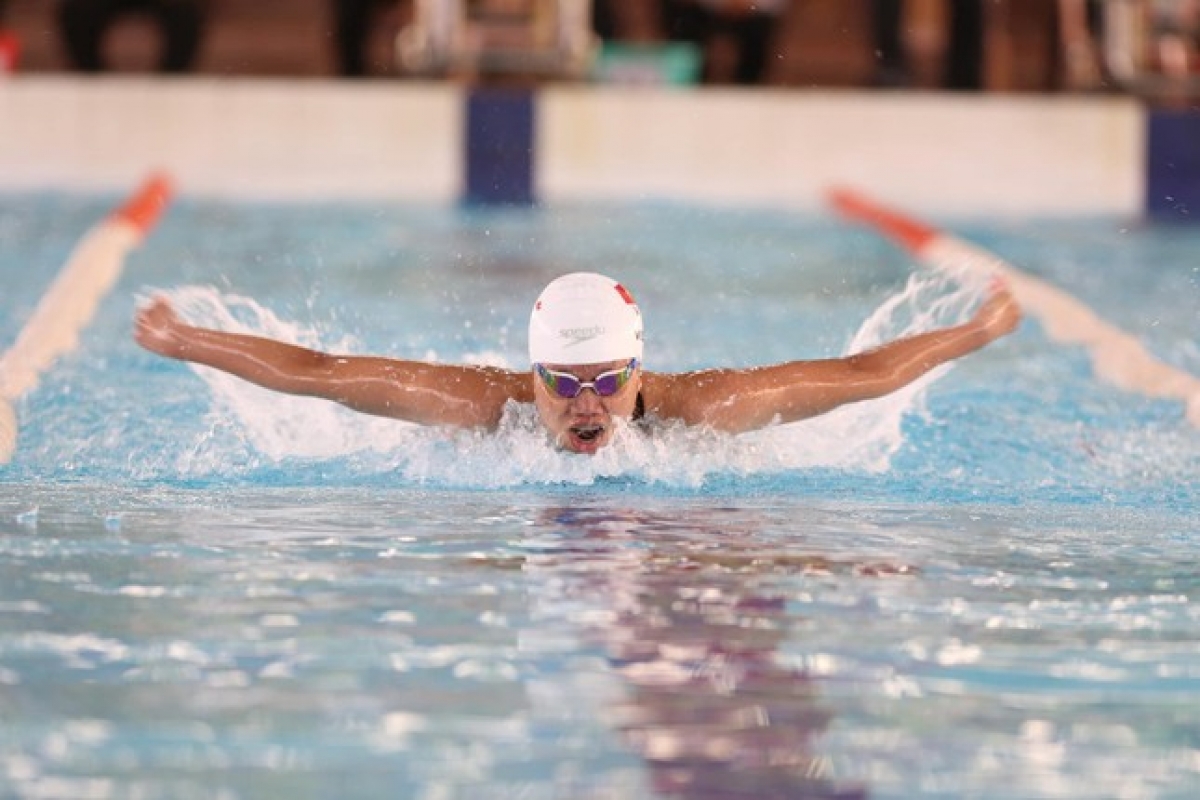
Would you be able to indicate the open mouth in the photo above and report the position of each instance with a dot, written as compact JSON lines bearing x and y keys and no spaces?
{"x":585,"y":438}
{"x":587,"y":433}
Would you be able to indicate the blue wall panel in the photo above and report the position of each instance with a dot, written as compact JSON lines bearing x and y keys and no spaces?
{"x":499,"y":147}
{"x":1173,"y":165}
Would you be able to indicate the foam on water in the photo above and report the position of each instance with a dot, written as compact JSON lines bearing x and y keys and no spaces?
{"x":862,"y":437}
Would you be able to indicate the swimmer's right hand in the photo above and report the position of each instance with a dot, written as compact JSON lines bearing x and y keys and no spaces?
{"x":158,"y":328}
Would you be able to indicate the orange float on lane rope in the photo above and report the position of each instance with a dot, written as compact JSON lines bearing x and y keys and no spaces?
{"x":1117,"y":357}
{"x":70,"y":302}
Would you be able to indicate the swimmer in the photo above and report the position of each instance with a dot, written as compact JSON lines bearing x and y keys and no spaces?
{"x":585,"y":348}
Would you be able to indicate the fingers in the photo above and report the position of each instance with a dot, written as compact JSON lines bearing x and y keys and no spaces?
{"x":999,"y":286}
{"x":156,"y":325}
{"x":1000,"y":312}
{"x":999,"y":291}
{"x":158,"y":312}
{"x":144,"y":327}
{"x":157,"y":302}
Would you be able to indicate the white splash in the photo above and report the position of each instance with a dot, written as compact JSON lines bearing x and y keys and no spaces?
{"x":861,"y":437}
{"x":276,"y":425}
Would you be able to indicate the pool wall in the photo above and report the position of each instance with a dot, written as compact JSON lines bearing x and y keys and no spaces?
{"x":303,"y":139}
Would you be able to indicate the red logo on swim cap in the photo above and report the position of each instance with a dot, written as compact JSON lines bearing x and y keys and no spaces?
{"x":621,"y":290}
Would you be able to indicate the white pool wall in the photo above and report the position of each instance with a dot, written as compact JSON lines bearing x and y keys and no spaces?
{"x":973,"y":153}
{"x":241,"y":138}
{"x":327,"y":139}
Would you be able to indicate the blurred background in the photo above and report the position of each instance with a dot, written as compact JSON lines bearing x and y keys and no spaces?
{"x":989,"y":45}
{"x":346,"y":79}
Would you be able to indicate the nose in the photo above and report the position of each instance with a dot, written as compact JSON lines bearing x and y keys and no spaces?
{"x":587,"y":401}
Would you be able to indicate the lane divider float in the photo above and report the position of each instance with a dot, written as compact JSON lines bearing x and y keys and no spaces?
{"x":71,"y":300}
{"x":1117,"y":357}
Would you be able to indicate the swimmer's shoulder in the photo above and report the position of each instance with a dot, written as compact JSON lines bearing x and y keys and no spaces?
{"x":686,"y":396}
{"x":661,"y":393}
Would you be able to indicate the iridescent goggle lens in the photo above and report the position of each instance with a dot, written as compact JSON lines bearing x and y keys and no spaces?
{"x":567,"y":386}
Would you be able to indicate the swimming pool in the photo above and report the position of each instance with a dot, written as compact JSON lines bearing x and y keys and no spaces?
{"x":985,"y":586}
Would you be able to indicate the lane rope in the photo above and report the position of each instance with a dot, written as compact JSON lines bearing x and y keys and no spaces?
{"x":70,"y":302}
{"x":1117,"y":357}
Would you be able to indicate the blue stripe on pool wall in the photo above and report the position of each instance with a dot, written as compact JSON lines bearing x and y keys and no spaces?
{"x":1173,"y":165}
{"x":499,"y":147}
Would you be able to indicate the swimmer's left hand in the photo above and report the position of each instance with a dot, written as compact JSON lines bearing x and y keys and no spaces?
{"x":999,"y":314}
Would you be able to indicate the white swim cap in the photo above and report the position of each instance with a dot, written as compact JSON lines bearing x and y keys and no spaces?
{"x":584,"y":318}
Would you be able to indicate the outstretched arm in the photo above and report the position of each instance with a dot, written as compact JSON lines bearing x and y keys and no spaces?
{"x":744,"y":400}
{"x":430,"y":394}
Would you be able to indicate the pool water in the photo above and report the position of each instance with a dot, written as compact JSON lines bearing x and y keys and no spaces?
{"x":985,"y":585}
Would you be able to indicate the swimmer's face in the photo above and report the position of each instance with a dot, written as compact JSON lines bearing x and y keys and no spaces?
{"x":584,"y":423}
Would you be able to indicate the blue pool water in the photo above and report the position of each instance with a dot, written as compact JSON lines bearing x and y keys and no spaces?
{"x":985,"y":586}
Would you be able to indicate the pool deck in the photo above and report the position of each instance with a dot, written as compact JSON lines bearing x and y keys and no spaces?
{"x":300,"y":139}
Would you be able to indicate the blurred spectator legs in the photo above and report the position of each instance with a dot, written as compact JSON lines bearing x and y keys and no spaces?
{"x":605,"y":23}
{"x":1079,"y":55}
{"x":85,"y":23}
{"x":749,"y":27}
{"x":891,"y":61}
{"x":1176,"y":31}
{"x":960,"y":48}
{"x":352,"y":22}
{"x":753,"y":33}
{"x":1177,"y":37}
{"x":964,"y":55}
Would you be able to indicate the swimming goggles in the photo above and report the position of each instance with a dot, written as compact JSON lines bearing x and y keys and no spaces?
{"x":568,"y":386}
